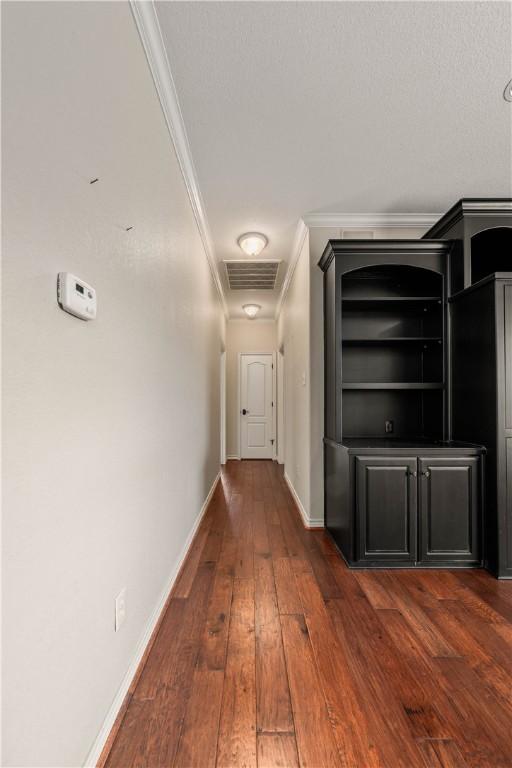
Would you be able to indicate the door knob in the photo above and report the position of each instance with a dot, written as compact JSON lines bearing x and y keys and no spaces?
{"x":426,"y":473}
{"x":244,"y":412}
{"x":413,"y":473}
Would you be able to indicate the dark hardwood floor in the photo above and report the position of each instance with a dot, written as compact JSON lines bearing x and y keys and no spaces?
{"x":273,"y":653}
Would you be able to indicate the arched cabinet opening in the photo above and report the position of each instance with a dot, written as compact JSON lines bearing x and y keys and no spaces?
{"x":392,"y":323}
{"x":491,"y":251}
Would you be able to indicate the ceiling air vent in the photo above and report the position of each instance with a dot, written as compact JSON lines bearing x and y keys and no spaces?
{"x":260,"y":275}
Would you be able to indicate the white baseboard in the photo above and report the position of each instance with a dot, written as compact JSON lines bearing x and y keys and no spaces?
{"x":97,"y":748}
{"x":233,"y":458}
{"x":306,"y":519}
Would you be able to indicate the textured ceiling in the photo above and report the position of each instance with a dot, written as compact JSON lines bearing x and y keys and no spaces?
{"x":295,"y":107}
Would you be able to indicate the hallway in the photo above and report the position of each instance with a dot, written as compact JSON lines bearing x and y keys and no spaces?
{"x":272,"y":653}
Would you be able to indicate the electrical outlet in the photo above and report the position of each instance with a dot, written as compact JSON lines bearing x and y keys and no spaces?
{"x":120,"y":609}
{"x":389,"y":426}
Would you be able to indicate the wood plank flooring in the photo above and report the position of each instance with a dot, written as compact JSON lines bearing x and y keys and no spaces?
{"x":273,"y":653}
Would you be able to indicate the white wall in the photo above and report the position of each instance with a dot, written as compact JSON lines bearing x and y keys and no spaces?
{"x":111,"y":428}
{"x":294,"y":337}
{"x":242,"y":336}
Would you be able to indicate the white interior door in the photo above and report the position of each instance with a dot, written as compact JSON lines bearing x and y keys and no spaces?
{"x":256,"y":406}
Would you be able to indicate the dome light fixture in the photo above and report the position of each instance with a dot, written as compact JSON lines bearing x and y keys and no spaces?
{"x":507,"y":93}
{"x":251,"y":310}
{"x":252,"y":243}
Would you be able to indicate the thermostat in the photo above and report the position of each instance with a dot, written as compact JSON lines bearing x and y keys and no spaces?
{"x":75,"y":296}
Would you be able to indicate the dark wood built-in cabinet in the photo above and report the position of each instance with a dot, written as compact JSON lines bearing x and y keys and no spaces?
{"x":418,"y":394}
{"x":482,"y":400}
{"x":480,"y":310}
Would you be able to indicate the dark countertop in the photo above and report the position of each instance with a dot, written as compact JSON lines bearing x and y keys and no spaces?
{"x":355,"y":444}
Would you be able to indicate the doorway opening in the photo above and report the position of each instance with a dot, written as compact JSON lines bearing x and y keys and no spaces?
{"x":257,"y":405}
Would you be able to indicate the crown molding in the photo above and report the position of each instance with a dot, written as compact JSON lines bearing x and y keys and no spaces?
{"x":298,"y":241}
{"x":146,"y":21}
{"x":371,"y":220}
{"x":384,"y":248}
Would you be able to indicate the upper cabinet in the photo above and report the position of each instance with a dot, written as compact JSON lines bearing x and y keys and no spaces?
{"x":482,"y":235}
{"x":385,"y":332}
{"x":491,"y":251}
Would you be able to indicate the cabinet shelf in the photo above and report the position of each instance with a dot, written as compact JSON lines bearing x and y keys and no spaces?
{"x":392,"y":385}
{"x":393,"y":340}
{"x":370,"y":301}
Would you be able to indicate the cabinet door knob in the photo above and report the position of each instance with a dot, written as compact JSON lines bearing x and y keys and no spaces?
{"x":426,"y":473}
{"x":413,"y":473}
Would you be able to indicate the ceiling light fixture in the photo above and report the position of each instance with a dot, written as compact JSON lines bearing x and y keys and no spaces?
{"x":251,"y":310}
{"x":252,"y":243}
{"x":507,"y":93}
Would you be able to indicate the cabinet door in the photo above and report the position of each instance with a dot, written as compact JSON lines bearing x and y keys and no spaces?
{"x":386,"y":504}
{"x":449,"y":510}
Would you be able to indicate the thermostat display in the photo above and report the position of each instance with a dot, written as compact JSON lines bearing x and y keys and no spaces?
{"x":75,"y":296}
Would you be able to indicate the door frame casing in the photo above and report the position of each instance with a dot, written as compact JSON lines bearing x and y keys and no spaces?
{"x":239,"y":398}
{"x":223,"y":414}
{"x":280,"y":418}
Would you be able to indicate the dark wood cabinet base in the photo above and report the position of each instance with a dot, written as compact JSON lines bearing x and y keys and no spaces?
{"x":407,"y":504}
